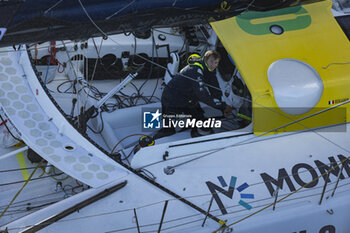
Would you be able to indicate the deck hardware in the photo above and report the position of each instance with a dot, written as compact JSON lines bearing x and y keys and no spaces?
{"x":162,"y":37}
{"x":331,"y":212}
{"x":59,"y":187}
{"x":276,"y":29}
{"x":227,"y":230}
{"x":69,"y":147}
{"x":166,"y":154}
{"x":4,"y":231}
{"x":169,"y":170}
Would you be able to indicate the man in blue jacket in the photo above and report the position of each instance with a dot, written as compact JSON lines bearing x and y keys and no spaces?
{"x":185,"y":90}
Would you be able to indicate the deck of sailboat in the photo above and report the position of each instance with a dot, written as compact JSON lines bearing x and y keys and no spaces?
{"x":237,"y":179}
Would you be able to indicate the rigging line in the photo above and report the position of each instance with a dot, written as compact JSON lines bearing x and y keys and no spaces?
{"x":102,"y":125}
{"x":262,"y":205}
{"x":301,"y":124}
{"x":143,"y":58}
{"x":335,"y":63}
{"x":7,"y":128}
{"x":163,"y":67}
{"x":251,"y":101}
{"x":91,"y":20}
{"x":298,"y":122}
{"x":87,"y":64}
{"x":172,"y":220}
{"x":290,"y":194}
{"x":154,"y":46}
{"x":186,"y":202}
{"x":26,"y":206}
{"x":30,"y":208}
{"x":19,"y":169}
{"x":201,"y":195}
{"x":267,"y":132}
{"x":188,"y":216}
{"x":266,"y":199}
{"x":249,"y":5}
{"x":19,"y":191}
{"x":156,"y":224}
{"x":284,"y":201}
{"x":214,"y":87}
{"x":297,"y":173}
{"x":151,"y":68}
{"x":53,"y":6}
{"x":38,"y":178}
{"x":75,"y":82}
{"x":234,"y":145}
{"x":146,"y":59}
{"x":98,"y":56}
{"x":302,"y":191}
{"x":29,"y":202}
{"x":119,"y":211}
{"x":174,"y":3}
{"x":263,"y":182}
{"x":40,"y":197}
{"x":140,"y":207}
{"x":129,"y":4}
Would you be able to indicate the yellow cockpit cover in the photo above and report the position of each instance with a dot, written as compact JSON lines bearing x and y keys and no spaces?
{"x":310,"y":35}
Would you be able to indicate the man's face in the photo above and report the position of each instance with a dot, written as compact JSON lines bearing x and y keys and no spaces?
{"x":212,"y":63}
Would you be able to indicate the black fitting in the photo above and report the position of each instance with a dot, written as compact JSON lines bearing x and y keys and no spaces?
{"x":166,"y":154}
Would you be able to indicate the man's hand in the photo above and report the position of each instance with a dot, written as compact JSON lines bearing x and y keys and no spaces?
{"x":228,"y":110}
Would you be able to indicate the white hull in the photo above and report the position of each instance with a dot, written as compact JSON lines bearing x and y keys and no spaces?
{"x":233,"y":181}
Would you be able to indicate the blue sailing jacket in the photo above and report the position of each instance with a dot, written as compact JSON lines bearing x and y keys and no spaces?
{"x":188,"y":87}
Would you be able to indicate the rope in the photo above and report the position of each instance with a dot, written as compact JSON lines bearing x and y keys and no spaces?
{"x":136,"y":134}
{"x":4,"y":123}
{"x":19,"y":191}
{"x":156,"y":203}
{"x":114,"y":14}
{"x":245,"y":99}
{"x":335,"y":63}
{"x":288,"y":195}
{"x":87,"y":14}
{"x":96,"y":25}
{"x":53,"y":6}
{"x":270,"y":131}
